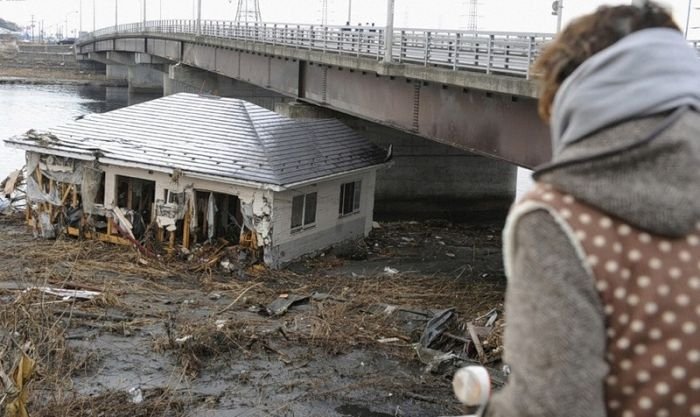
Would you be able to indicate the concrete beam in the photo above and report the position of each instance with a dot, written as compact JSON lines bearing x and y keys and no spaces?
{"x":99,"y":57}
{"x":184,"y":78}
{"x":141,"y":58}
{"x":123,"y":58}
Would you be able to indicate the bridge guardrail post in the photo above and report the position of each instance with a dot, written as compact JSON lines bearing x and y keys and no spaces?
{"x":402,"y":48}
{"x":507,"y":59}
{"x":530,"y":50}
{"x":359,"y":42}
{"x":325,"y":38}
{"x":489,"y":55}
{"x":458,"y":43}
{"x":426,"y":49}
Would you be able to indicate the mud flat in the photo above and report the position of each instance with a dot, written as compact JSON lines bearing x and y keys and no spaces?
{"x":117,"y":334}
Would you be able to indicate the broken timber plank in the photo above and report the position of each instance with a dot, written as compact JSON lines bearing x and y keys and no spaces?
{"x":477,"y":343}
{"x":11,"y":181}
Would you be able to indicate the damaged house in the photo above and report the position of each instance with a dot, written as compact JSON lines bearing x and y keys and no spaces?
{"x":187,"y":169}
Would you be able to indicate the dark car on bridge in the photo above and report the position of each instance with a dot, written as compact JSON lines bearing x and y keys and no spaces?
{"x":66,"y":41}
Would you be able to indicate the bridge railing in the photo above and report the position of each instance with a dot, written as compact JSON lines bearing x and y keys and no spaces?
{"x":489,"y":52}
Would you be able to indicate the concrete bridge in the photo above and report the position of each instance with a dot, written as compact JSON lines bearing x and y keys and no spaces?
{"x":470,"y":91}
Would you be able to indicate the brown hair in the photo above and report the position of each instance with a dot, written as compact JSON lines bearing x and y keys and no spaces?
{"x":587,"y":36}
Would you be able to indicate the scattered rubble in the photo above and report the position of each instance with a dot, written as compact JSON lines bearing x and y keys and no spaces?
{"x":182,"y":335}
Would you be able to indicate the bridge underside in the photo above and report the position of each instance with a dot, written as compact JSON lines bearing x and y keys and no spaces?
{"x":499,"y":125}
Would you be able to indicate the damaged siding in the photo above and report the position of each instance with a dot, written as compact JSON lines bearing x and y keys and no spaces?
{"x":256,"y":204}
{"x":329,"y":227}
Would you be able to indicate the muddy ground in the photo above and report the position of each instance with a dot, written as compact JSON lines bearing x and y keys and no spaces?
{"x":167,"y":338}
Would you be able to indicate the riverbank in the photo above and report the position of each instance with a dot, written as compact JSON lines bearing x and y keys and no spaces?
{"x":42,"y":76}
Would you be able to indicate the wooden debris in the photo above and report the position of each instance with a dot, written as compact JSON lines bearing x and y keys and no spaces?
{"x":477,"y":343}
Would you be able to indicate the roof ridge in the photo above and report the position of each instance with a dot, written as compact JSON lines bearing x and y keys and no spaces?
{"x":265,"y":151}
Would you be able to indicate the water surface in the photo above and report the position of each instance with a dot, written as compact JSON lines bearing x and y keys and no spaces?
{"x":40,"y":107}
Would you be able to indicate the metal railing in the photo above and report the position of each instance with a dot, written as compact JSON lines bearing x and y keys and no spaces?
{"x":488,"y":52}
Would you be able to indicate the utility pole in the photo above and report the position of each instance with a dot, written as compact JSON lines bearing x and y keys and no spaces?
{"x":116,"y":13}
{"x":389,"y":32}
{"x":80,"y":16}
{"x":560,"y":8}
{"x":93,"y":15}
{"x":32,"y":26}
{"x":687,"y":19}
{"x":144,"y":15}
{"x":349,"y":12}
{"x":324,"y":12}
{"x":199,"y":17}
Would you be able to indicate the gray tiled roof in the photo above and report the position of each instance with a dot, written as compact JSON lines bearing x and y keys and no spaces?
{"x":222,"y":137}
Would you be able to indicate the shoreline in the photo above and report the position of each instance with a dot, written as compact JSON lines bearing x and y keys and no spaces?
{"x":5,"y":80}
{"x":56,"y":76}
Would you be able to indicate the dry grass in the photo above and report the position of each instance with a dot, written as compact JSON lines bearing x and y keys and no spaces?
{"x":350,"y":316}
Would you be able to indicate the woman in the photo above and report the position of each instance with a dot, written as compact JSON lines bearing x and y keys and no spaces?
{"x":603,"y":257}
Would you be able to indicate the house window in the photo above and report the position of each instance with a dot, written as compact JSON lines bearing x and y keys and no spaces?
{"x":350,"y":198}
{"x":303,"y":211}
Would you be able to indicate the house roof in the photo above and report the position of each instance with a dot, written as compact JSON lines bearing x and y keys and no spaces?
{"x":213,"y":136}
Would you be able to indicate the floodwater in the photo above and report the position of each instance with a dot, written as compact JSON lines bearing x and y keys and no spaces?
{"x":40,"y":107}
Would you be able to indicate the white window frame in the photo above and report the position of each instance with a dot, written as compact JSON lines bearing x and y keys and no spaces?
{"x":357,"y":193}
{"x":304,"y":225}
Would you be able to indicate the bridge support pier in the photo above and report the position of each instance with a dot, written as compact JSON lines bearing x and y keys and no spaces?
{"x":182,"y":78}
{"x":145,"y":78}
{"x":117,"y":72}
{"x":428,"y":179}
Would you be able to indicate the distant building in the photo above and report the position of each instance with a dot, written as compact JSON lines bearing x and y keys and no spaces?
{"x":198,"y":168}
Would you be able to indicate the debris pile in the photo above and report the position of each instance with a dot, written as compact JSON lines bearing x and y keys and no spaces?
{"x":92,"y":310}
{"x":13,"y":193}
{"x":337,"y":315}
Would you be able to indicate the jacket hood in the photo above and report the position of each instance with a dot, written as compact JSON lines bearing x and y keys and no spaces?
{"x":648,"y":72}
{"x":653,"y":184}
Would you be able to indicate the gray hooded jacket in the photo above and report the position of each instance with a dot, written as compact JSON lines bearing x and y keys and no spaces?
{"x":642,"y":166}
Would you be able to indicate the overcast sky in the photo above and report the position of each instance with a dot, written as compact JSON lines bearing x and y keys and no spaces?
{"x":494,"y":15}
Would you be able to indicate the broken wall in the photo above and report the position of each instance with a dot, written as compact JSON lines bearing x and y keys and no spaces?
{"x":256,"y":204}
